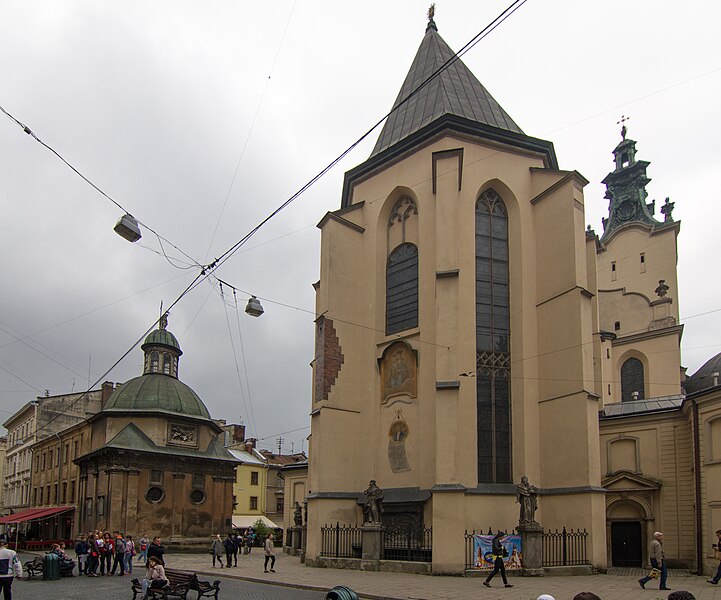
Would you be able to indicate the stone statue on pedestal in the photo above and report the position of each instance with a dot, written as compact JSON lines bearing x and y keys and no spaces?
{"x":298,"y":515}
{"x":373,"y":507}
{"x":526,"y":496}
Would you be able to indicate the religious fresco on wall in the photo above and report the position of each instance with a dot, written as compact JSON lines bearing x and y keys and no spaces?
{"x":399,"y":373}
{"x":397,"y":436}
{"x":180,"y":434}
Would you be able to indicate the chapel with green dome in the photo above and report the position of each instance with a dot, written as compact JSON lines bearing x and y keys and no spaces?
{"x":156,"y":464}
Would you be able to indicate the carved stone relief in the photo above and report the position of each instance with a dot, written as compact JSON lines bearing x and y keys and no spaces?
{"x":397,"y":436}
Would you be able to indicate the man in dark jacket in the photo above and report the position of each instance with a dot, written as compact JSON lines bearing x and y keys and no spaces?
{"x":498,"y":552}
{"x":237,"y":545}
{"x":229,"y":548}
{"x":156,"y":549}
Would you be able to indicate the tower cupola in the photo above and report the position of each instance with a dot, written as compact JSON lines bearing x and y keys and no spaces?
{"x":626,"y":191}
{"x":162,"y":351}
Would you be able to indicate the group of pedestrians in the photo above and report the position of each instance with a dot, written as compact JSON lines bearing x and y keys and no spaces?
{"x":232,"y":545}
{"x":105,"y":553}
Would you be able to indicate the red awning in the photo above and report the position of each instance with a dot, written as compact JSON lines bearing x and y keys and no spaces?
{"x":33,"y":514}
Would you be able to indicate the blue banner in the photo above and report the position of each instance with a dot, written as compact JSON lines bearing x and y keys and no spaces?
{"x":483,"y":557}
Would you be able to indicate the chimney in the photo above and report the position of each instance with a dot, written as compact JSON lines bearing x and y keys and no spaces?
{"x":249,"y":445}
{"x":238,"y":434}
{"x":106,"y":389}
{"x":715,"y":376}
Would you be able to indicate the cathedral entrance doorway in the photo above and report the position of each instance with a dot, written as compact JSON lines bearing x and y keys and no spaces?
{"x":626,"y":543}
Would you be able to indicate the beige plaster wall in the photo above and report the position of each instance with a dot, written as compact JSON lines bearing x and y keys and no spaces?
{"x":552,"y":323}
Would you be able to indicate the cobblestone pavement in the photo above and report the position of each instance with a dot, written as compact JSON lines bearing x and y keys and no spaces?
{"x":293,"y":581}
{"x":118,"y":588}
{"x":399,"y":586}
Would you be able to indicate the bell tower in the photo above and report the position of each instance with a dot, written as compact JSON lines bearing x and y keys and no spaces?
{"x":626,"y":191}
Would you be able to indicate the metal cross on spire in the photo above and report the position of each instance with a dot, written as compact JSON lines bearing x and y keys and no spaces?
{"x":622,"y":123}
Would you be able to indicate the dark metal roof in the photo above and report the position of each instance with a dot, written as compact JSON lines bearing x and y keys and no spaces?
{"x":703,"y":378}
{"x":637,"y":407}
{"x":456,"y":91}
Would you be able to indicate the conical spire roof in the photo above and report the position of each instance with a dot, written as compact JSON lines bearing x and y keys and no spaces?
{"x":456,"y":91}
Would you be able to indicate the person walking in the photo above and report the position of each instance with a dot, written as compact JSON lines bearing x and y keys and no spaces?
{"x":228,"y":547}
{"x":498,"y":552}
{"x":216,"y":549}
{"x":237,"y":544}
{"x":157,"y":550}
{"x":129,"y":553}
{"x":269,"y":550}
{"x":81,"y":552}
{"x":717,"y":555}
{"x":10,"y":568}
{"x":658,"y":561}
{"x":143,"y":554}
{"x":118,"y":554}
{"x":93,"y":556}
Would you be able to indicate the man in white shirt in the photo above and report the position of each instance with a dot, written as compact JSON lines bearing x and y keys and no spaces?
{"x":10,"y":567}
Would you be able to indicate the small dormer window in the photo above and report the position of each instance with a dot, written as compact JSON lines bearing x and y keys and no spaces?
{"x":624,"y":159}
{"x":154,"y":362}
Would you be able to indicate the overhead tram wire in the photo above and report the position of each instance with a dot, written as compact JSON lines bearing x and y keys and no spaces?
{"x":187,"y":290}
{"x":477,"y":38}
{"x":205,"y":270}
{"x":235,"y":359}
{"x":250,"y":130}
{"x":245,"y":364}
{"x":29,"y":131}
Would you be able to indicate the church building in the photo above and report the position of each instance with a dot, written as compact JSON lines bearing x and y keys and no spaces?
{"x":155,"y":462}
{"x":471,"y":331}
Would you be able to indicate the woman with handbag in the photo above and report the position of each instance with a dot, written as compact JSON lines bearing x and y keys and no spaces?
{"x":498,"y":551}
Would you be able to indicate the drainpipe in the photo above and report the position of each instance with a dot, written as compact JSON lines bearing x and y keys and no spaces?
{"x":697,"y":486}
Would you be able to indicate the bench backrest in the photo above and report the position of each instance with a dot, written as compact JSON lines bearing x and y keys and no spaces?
{"x":176,"y":576}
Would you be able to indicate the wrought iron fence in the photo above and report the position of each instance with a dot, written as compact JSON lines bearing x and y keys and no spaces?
{"x":408,"y":543}
{"x":563,"y":548}
{"x":341,"y":541}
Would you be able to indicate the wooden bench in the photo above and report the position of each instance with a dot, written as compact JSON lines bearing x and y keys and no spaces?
{"x":179,"y":584}
{"x":34,"y":566}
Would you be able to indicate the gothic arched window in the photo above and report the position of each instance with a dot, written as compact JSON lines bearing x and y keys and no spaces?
{"x":493,"y":352}
{"x":154,"y":360}
{"x":166,"y":363}
{"x":402,"y":288}
{"x":632,"y":380}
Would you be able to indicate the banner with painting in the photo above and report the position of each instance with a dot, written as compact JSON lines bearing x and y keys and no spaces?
{"x":483,"y":557}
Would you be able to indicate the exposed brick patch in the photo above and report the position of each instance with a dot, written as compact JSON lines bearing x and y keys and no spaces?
{"x":328,"y":358}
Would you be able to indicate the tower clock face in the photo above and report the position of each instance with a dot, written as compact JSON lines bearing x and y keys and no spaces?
{"x":626,"y":210}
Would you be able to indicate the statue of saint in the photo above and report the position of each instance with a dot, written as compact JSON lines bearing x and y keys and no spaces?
{"x":526,"y":495}
{"x":298,"y":515}
{"x":305,"y":512}
{"x":373,"y":507}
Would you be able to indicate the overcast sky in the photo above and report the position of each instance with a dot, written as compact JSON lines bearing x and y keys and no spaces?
{"x":156,"y":102}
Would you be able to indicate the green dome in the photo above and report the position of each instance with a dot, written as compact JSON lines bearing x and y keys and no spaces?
{"x":161,"y":337}
{"x":155,"y":392}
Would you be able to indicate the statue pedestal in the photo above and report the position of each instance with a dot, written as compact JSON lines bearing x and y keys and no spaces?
{"x":372,"y":539}
{"x":532,"y":548}
{"x":303,"y":539}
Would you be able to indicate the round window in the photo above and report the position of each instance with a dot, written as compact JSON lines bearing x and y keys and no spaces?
{"x":197,"y":496}
{"x":154,"y":494}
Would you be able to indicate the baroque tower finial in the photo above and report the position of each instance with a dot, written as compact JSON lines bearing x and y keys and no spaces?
{"x":431,"y":14}
{"x":622,"y":123}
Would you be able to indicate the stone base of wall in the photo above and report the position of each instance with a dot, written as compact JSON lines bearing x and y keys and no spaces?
{"x":388,"y":566}
{"x":544,"y":572}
